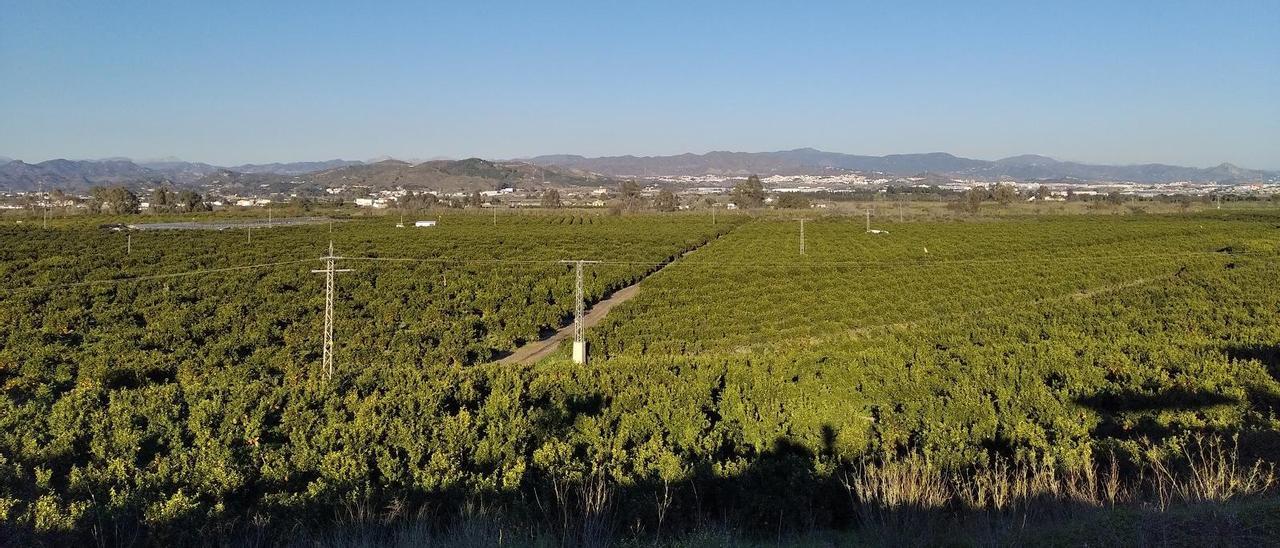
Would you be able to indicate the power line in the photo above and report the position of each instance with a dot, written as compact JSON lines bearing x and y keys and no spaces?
{"x":922,"y":261}
{"x":683,"y":264}
{"x":131,"y":279}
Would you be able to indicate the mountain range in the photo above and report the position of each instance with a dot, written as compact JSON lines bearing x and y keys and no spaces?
{"x":468,"y":175}
{"x":815,"y":162}
{"x":472,"y":174}
{"x":569,"y":170}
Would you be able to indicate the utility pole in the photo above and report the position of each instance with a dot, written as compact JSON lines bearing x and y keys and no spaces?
{"x":250,"y":230}
{"x":329,"y":271}
{"x":868,"y":218}
{"x":801,"y":235}
{"x":713,"y":215}
{"x":579,"y":313}
{"x":44,"y":201}
{"x":128,"y":244}
{"x":268,"y":215}
{"x":900,"y":210}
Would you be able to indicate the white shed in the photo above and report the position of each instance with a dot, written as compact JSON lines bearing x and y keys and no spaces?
{"x":424,"y":223}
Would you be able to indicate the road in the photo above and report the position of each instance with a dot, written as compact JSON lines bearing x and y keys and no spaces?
{"x":533,"y":351}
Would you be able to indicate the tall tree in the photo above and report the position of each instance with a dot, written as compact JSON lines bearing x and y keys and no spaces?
{"x":551,"y":198}
{"x":629,"y":189}
{"x":1003,"y":193}
{"x":973,"y":199}
{"x":161,"y":200}
{"x":749,"y":193}
{"x":666,"y":201}
{"x":189,"y":201}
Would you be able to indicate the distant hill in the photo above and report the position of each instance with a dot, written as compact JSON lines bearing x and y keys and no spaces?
{"x":811,"y":161}
{"x":79,"y":175}
{"x":443,"y":176}
{"x":74,"y":174}
{"x":294,"y":168}
{"x":178,"y":170}
{"x":467,"y":175}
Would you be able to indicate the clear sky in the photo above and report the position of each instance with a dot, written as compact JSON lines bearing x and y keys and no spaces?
{"x":1191,"y":83}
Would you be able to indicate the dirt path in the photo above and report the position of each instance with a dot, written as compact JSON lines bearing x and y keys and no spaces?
{"x":533,"y":351}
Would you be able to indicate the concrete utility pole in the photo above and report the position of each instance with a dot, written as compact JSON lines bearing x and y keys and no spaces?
{"x":250,"y":229}
{"x":900,"y":211}
{"x":868,"y":219}
{"x":329,"y":271}
{"x":128,"y":244}
{"x":579,"y":313}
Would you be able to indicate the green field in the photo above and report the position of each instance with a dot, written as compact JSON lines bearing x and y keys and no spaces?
{"x":175,"y":390}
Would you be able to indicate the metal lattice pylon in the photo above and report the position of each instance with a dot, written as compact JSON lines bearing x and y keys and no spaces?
{"x":329,"y":271}
{"x":579,"y":312}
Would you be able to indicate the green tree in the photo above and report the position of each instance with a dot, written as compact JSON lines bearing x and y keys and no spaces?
{"x":162,"y":200}
{"x":973,"y":199}
{"x":97,"y":198}
{"x":629,"y":189}
{"x":189,"y":201}
{"x":749,"y":193}
{"x":666,"y":201}
{"x":1115,"y":198}
{"x":475,"y":200}
{"x":1003,"y":193}
{"x":117,"y":200}
{"x":793,"y":201}
{"x":1042,"y":193}
{"x":551,"y":198}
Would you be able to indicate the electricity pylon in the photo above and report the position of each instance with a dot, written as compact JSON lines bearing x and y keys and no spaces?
{"x":579,"y":313}
{"x":329,"y":271}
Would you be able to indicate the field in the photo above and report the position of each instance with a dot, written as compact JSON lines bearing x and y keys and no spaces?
{"x":174,"y":390}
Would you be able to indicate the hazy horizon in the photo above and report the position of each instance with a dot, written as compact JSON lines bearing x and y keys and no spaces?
{"x":417,"y":159}
{"x":228,"y":84}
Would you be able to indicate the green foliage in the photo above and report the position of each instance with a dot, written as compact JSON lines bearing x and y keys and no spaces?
{"x":551,"y":199}
{"x":741,"y":381}
{"x":666,"y":201}
{"x":749,"y":193}
{"x":793,"y":201}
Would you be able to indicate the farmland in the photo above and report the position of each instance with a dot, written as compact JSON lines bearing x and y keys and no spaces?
{"x":172,"y":388}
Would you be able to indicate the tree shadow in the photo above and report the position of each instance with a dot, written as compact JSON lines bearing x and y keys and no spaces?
{"x":1132,"y":414}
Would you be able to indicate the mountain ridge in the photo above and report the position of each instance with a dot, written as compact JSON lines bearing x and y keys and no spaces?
{"x":576,"y":170}
{"x":1029,"y":167}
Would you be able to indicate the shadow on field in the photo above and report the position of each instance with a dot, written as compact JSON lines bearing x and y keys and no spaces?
{"x":1269,"y":356}
{"x":1134,"y":415}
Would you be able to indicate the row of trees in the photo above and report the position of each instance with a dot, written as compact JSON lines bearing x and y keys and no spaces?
{"x":164,"y":200}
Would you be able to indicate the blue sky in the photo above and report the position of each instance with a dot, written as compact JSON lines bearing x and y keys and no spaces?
{"x":1192,"y":83}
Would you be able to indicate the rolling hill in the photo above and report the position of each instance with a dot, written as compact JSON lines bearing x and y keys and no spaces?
{"x":441,"y":176}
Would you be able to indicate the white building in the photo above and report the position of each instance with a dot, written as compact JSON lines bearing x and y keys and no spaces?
{"x":422,"y":224}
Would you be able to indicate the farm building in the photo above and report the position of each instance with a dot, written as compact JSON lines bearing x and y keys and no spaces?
{"x":424,"y":223}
